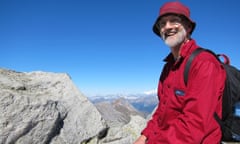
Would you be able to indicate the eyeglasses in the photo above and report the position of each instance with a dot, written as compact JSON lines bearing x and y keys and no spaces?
{"x":171,"y":20}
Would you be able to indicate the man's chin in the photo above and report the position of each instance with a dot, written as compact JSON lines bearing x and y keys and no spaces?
{"x":171,"y":42}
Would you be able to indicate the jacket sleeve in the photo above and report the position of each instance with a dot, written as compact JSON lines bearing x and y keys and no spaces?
{"x":152,"y":125}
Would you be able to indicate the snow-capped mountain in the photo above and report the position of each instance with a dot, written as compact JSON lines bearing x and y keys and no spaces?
{"x":143,"y":102}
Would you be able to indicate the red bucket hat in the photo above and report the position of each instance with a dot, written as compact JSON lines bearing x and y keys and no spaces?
{"x":173,"y":8}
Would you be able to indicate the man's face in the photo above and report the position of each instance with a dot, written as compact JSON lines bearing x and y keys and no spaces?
{"x":172,"y":30}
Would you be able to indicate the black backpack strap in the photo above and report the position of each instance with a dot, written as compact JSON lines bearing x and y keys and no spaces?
{"x":190,"y":59}
{"x":189,"y":62}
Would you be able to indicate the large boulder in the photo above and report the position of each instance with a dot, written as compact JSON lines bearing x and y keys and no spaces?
{"x":117,"y":112}
{"x":127,"y":133}
{"x":43,"y":108}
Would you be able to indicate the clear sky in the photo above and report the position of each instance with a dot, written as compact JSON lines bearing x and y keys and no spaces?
{"x":106,"y":46}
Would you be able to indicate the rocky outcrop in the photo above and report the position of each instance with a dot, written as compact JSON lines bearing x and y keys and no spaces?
{"x":47,"y":108}
{"x":44,"y":108}
{"x":118,"y":112}
{"x":124,"y":120}
{"x":125,"y":134}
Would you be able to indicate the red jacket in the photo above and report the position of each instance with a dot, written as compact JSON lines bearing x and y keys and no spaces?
{"x":185,"y":115}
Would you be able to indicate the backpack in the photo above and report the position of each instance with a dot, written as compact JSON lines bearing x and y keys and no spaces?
{"x":230,"y":122}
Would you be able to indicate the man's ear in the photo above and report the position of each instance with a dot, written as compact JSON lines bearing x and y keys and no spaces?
{"x":187,"y":25}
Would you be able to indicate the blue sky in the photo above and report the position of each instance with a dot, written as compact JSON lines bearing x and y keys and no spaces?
{"x":106,"y":46}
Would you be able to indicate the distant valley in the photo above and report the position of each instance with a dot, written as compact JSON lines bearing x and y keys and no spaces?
{"x":144,"y":104}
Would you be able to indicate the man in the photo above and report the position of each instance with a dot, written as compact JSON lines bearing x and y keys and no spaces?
{"x":185,"y":114}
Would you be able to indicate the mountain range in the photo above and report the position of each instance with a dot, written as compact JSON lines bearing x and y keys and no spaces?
{"x":143,"y":103}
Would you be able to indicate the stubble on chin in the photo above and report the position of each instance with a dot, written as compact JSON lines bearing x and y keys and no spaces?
{"x":175,"y":40}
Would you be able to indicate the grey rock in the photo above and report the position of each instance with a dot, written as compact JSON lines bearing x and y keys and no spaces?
{"x":117,"y":112}
{"x":126,"y":134}
{"x":47,"y":108}
{"x":42,"y":108}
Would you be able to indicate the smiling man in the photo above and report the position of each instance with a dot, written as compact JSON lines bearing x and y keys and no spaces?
{"x":185,"y":114}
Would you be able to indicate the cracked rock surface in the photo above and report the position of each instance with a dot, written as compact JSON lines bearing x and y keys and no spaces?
{"x":45,"y":108}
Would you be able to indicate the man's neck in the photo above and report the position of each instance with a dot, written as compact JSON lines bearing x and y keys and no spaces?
{"x":177,"y":49}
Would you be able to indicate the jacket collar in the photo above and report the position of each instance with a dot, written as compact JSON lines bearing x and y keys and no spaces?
{"x":185,"y":51}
